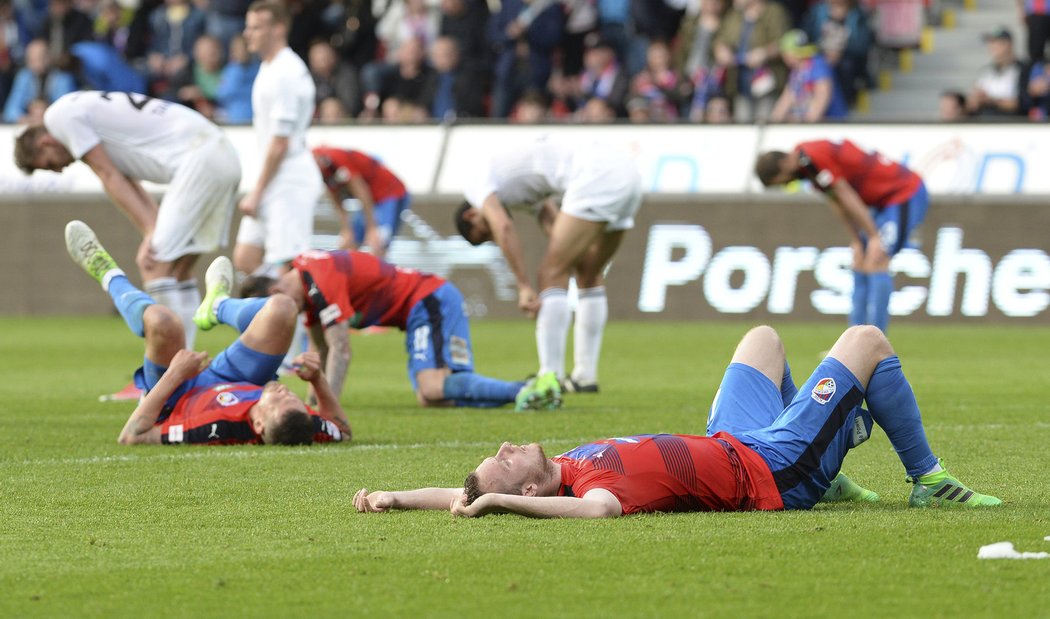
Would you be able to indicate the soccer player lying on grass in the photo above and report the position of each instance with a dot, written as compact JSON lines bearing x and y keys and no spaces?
{"x":232,"y":400}
{"x":759,"y":455}
{"x":340,"y":290}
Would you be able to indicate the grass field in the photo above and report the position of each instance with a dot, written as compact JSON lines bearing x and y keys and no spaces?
{"x":89,"y":528}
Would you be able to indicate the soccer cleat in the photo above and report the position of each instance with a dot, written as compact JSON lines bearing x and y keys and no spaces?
{"x":85,"y":250}
{"x":218,"y":282}
{"x":569,"y":385}
{"x":540,"y":393}
{"x":845,"y":489}
{"x":942,"y":490}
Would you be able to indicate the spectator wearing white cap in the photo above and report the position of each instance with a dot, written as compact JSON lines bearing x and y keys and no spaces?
{"x":996,"y":91}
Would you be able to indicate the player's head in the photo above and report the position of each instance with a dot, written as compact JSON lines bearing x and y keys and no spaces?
{"x":776,"y":168}
{"x":515,"y":469}
{"x":266,"y":27}
{"x":282,"y":418}
{"x":36,"y":149}
{"x":472,"y":225}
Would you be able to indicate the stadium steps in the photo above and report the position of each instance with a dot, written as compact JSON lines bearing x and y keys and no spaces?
{"x":955,"y":56}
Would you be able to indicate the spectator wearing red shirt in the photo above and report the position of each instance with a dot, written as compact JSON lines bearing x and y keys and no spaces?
{"x":882,"y":203}
{"x":792,"y":462}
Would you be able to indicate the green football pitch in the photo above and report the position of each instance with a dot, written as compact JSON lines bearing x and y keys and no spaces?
{"x":89,"y":528}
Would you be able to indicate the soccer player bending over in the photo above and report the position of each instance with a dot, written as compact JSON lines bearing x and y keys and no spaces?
{"x":759,"y":454}
{"x":235,"y":398}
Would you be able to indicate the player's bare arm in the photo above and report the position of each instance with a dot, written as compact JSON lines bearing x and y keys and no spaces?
{"x":360,"y":190}
{"x":274,"y":156}
{"x":346,"y":236}
{"x":820,"y":101}
{"x":875,"y":256}
{"x":338,"y":354}
{"x":424,"y":498}
{"x":597,"y":503}
{"x":309,"y":370}
{"x":506,"y":236}
{"x":141,"y":427}
{"x":127,"y":194}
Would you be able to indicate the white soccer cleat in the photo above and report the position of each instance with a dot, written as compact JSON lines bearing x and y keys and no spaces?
{"x":84,"y":248}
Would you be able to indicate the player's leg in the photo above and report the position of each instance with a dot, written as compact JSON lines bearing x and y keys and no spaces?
{"x":441,"y":365}
{"x":218,"y":307}
{"x":592,"y":311}
{"x":749,"y":397}
{"x":890,"y":223}
{"x":256,"y":355}
{"x":570,"y":239}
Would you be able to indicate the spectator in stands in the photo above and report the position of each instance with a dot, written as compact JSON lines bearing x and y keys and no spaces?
{"x":996,"y":92}
{"x":224,"y":20}
{"x":651,"y":20}
{"x":39,"y":79}
{"x":694,"y":56}
{"x":811,"y":94}
{"x":406,"y":84}
{"x":140,"y":34}
{"x":197,"y":84}
{"x":581,"y":19}
{"x":1038,"y":98}
{"x":35,"y":112}
{"x":661,"y":85}
{"x":602,"y":77}
{"x":64,"y":26}
{"x":614,"y":26}
{"x":748,"y":48}
{"x":638,"y":110}
{"x":531,"y":108}
{"x":952,"y":107}
{"x":719,"y":110}
{"x":113,"y":25}
{"x":842,"y":32}
{"x":331,"y":111}
{"x":595,"y":110}
{"x":408,"y":19}
{"x":101,"y":67}
{"x":176,"y":26}
{"x":234,"y":95}
{"x":333,"y":79}
{"x":525,"y":35}
{"x":352,"y":26}
{"x":1037,"y":24}
{"x":399,"y":111}
{"x":308,"y":25}
{"x":12,"y":44}
{"x":466,"y":21}
{"x":454,"y":91}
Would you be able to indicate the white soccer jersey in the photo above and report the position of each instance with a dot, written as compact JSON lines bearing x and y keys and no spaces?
{"x":283,"y":102}
{"x":522,"y":176}
{"x":146,"y":138}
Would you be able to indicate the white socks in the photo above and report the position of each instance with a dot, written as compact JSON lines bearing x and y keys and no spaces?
{"x":181,"y":298}
{"x":552,"y":329}
{"x":592,"y":312}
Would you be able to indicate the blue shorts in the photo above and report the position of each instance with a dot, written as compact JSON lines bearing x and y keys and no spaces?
{"x":236,"y":364}
{"x":387,"y":214}
{"x":437,"y":334}
{"x":898,"y":224}
{"x":803,"y":444}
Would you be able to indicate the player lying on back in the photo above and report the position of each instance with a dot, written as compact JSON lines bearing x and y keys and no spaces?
{"x":343,"y":290}
{"x":759,"y":454}
{"x":233,"y":399}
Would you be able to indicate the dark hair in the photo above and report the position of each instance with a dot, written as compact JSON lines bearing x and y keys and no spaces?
{"x":256,"y":286}
{"x":26,"y":147}
{"x":767,"y":166}
{"x":292,"y":427}
{"x":462,"y":225}
{"x":277,"y":10}
{"x":472,"y":487}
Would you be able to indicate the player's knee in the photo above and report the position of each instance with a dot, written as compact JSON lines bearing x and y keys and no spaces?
{"x":430,"y":390}
{"x":767,"y":337}
{"x":282,"y":307}
{"x":869,"y":338}
{"x":162,"y":325}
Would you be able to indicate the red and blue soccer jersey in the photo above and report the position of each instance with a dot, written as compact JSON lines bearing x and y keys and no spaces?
{"x":1036,"y":7}
{"x":218,"y":415}
{"x":355,"y":287}
{"x":672,"y":473}
{"x":878,"y":181}
{"x":338,"y":166}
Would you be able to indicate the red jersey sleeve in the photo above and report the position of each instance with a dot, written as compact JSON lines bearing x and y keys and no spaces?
{"x":327,"y":296}
{"x":818,"y":164}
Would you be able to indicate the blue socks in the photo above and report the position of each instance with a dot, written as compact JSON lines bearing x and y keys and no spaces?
{"x":238,"y":313}
{"x":475,"y":390}
{"x":871,"y":299}
{"x":893,"y":406}
{"x":787,"y":386}
{"x":130,"y":302}
{"x":880,"y":287}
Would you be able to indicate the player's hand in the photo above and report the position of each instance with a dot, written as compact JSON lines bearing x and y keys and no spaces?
{"x":307,"y":365}
{"x":249,"y":204}
{"x":875,"y":256}
{"x":459,"y":507}
{"x":187,"y":363}
{"x":145,"y":257}
{"x":375,"y":241}
{"x":374,"y":503}
{"x":528,"y":301}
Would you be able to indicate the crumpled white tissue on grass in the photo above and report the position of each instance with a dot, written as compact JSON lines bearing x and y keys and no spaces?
{"x":1006,"y":550}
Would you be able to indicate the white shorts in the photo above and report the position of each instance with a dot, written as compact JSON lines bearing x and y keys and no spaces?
{"x":285,"y":221}
{"x":606,"y":187}
{"x":196,"y":211}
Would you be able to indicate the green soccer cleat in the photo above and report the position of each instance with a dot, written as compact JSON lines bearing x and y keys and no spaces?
{"x":540,"y":393}
{"x":845,"y":489}
{"x":85,"y":250}
{"x":942,"y":490}
{"x":218,"y":282}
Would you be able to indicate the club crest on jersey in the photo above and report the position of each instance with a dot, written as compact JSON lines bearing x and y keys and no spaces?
{"x":227,"y":398}
{"x":824,"y":390}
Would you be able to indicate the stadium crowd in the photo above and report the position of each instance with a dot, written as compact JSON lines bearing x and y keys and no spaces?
{"x":413,"y":60}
